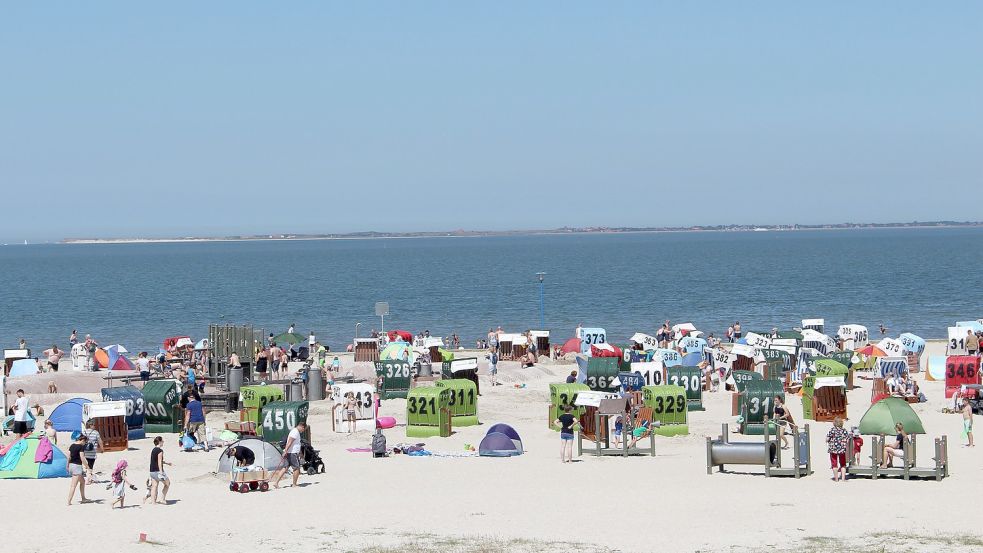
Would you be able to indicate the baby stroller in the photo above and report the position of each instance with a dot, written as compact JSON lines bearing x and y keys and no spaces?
{"x":312,"y":462}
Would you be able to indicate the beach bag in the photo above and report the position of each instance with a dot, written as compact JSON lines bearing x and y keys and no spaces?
{"x":379,"y":444}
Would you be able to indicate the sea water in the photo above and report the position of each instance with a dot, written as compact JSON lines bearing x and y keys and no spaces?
{"x":911,"y":280}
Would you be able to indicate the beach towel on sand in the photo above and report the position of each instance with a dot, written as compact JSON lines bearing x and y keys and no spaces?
{"x":44,"y":453}
{"x":13,"y":455}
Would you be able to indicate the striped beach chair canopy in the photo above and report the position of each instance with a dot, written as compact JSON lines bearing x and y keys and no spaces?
{"x":892,"y":366}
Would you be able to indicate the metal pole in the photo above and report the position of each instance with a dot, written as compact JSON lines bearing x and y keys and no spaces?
{"x":356,"y":329}
{"x":542,"y":301}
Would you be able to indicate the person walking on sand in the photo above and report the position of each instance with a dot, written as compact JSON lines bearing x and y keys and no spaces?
{"x":194,"y":420}
{"x":967,"y":412}
{"x":291,"y":456}
{"x":737,"y":331}
{"x":158,"y":477}
{"x":120,"y":483}
{"x":93,"y":445}
{"x":566,"y":422}
{"x":274,"y":361}
{"x":77,"y":468}
{"x":837,"y":440}
{"x":73,"y":338}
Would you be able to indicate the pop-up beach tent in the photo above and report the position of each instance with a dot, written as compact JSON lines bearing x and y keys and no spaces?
{"x":883,"y":415}
{"x":67,"y":417}
{"x":24,"y":367}
{"x":268,"y":455}
{"x":33,"y":457}
{"x":501,"y":440}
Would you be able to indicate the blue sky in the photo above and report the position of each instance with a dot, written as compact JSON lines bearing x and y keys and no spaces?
{"x":141,"y":119}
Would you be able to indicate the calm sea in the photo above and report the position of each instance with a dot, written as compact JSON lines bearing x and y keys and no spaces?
{"x":917,"y":280}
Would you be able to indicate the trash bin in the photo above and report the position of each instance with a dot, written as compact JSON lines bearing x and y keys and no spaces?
{"x":315,"y":384}
{"x":235,"y":379}
{"x":426,"y":369}
{"x":295,"y":390}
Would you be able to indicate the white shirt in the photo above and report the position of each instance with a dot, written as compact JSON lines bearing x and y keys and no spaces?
{"x":20,"y":409}
{"x":295,"y":445}
{"x":143,"y":364}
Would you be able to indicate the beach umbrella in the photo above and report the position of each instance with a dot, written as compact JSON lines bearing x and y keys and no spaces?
{"x":883,"y":415}
{"x":870,"y":350}
{"x":116,"y":361}
{"x":289,"y":338}
{"x":571,"y":346}
{"x":184,"y":342}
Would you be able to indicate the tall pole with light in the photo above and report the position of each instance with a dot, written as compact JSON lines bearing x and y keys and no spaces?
{"x":542,"y":301}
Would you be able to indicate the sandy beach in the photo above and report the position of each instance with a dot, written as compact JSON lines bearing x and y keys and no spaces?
{"x":526,"y":503}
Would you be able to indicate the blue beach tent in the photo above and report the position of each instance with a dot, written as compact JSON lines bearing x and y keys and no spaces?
{"x":67,"y":417}
{"x":24,"y":367}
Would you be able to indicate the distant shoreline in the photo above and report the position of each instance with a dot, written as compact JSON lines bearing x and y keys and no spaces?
{"x":551,"y":232}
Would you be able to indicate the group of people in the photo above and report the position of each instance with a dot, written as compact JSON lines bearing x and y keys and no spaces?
{"x":81,"y":469}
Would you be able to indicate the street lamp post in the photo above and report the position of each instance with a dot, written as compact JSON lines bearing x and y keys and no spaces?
{"x":542,"y":301}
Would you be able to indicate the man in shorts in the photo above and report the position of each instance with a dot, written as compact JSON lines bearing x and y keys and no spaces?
{"x":21,"y":413}
{"x":194,"y":420}
{"x":291,"y":456}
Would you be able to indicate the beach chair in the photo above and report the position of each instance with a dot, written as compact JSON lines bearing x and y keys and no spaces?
{"x":643,"y":419}
{"x":878,"y":388}
{"x":828,"y":403}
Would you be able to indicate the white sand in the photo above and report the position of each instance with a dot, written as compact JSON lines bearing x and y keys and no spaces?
{"x":528,"y":503}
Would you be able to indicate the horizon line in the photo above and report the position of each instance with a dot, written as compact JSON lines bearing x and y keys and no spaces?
{"x":593,"y":229}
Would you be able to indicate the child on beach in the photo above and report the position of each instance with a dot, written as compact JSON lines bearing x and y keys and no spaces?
{"x":836,"y":443}
{"x":493,"y":366}
{"x":967,"y":412}
{"x":119,"y":484}
{"x":619,"y":426}
{"x":351,"y":404}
